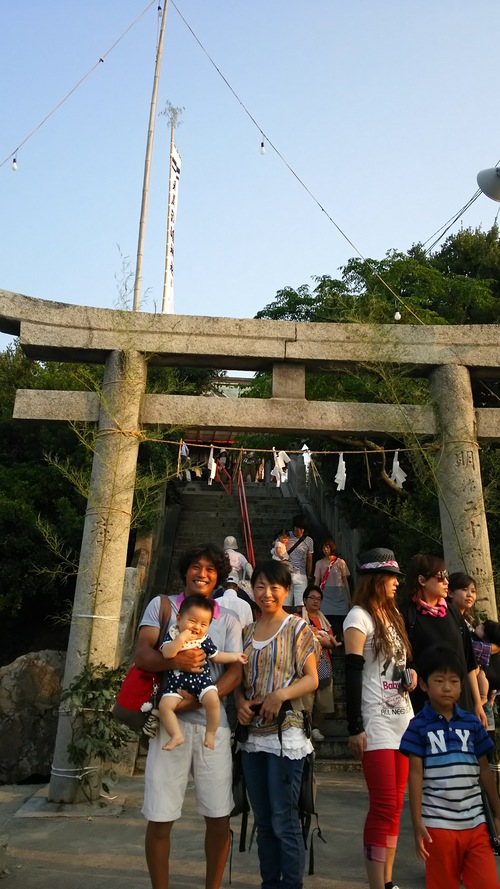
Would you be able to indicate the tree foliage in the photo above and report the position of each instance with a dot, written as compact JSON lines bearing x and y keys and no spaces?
{"x":457,"y":284}
{"x":44,"y":476}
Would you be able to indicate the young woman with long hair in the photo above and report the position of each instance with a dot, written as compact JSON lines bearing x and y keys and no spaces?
{"x":378,"y":705}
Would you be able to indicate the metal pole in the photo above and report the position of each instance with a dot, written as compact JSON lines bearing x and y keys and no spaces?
{"x":147,"y":163}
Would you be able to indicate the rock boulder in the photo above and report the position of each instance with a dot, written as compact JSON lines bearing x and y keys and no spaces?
{"x":30,"y":691}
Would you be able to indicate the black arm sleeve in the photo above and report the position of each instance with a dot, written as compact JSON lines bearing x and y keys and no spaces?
{"x":353,"y":683}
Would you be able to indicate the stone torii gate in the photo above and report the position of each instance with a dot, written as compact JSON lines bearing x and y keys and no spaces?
{"x":126,"y":342}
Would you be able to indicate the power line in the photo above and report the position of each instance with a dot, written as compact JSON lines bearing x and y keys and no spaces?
{"x":301,"y":182}
{"x":100,"y":61}
{"x":441,"y":232}
{"x":451,"y":222}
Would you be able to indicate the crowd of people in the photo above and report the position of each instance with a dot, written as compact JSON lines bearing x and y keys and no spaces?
{"x":420,"y":685}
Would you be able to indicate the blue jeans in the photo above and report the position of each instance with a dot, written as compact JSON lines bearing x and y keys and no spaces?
{"x":275,"y":806}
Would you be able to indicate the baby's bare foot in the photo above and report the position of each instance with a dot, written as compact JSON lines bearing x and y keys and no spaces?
{"x":209,"y":740}
{"x":175,"y":741}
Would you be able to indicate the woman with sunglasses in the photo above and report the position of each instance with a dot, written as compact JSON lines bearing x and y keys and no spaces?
{"x":432,"y":619}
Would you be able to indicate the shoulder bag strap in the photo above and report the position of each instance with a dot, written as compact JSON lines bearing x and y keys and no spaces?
{"x":327,"y":574}
{"x":165,"y":615}
{"x":295,"y":545}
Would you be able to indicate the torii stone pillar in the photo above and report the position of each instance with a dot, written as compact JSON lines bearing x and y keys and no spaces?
{"x":461,"y":504}
{"x":99,"y":587}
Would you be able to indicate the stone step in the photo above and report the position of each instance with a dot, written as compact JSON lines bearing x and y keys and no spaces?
{"x":225,"y":512}
{"x":336,"y":765}
{"x":252,"y":492}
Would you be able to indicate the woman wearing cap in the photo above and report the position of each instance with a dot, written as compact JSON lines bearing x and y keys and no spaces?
{"x":378,"y":705}
{"x":431,"y":619}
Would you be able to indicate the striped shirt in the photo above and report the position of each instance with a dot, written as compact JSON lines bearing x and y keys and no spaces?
{"x":276,"y":663}
{"x":451,"y":794}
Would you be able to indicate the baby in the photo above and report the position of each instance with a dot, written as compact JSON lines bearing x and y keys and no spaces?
{"x":190,"y":631}
{"x":279,"y":550}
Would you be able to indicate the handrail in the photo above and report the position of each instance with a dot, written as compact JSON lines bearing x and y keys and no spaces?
{"x":245,"y":520}
{"x":228,"y":486}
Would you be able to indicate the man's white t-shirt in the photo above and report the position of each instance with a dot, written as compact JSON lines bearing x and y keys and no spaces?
{"x":231,"y":601}
{"x":225,"y":631}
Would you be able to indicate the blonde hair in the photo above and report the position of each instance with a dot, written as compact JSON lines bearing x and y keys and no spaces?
{"x":370,"y":595}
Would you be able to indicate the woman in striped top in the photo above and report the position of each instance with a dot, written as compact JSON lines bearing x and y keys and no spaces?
{"x":282,"y":658}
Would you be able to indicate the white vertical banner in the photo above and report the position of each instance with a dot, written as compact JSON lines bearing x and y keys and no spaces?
{"x":173,"y":197}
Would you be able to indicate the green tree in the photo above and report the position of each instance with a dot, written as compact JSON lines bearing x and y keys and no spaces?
{"x":457,"y":284}
{"x":44,"y":473}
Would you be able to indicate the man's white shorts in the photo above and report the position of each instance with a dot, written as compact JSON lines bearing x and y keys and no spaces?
{"x":167,"y":774}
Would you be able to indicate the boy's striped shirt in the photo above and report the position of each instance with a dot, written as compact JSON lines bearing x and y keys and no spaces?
{"x":451,"y":794}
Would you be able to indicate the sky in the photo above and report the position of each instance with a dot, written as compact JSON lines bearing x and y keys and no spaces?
{"x":385,"y":109}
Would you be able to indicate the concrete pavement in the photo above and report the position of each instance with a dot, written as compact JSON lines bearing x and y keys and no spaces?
{"x":101,"y":847}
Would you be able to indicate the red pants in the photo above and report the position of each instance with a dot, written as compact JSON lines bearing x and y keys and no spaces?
{"x":457,"y":856}
{"x":386,"y":774}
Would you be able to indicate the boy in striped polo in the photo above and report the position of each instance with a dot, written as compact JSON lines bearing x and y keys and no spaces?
{"x":447,"y":748}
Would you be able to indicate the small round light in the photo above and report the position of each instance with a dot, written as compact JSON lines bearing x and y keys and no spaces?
{"x":262,"y":147}
{"x":397,"y":315}
{"x":14,"y":164}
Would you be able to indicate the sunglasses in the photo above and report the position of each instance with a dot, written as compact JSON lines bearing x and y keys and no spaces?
{"x":441,"y":575}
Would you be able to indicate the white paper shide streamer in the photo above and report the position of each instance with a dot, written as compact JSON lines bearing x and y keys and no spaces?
{"x":306,"y":456}
{"x":212,"y":467}
{"x":398,"y":476}
{"x":281,"y":461}
{"x":341,"y":476}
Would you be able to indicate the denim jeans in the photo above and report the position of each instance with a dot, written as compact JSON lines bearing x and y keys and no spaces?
{"x":274,"y":804}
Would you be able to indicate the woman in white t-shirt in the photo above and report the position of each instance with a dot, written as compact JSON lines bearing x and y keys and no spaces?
{"x":378,"y":705}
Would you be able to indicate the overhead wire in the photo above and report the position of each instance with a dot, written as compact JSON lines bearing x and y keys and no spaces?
{"x":294,"y":173}
{"x":444,"y":229}
{"x":441,"y":231}
{"x":100,"y":61}
{"x":450,"y":223}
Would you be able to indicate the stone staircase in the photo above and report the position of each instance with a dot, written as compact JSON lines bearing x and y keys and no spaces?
{"x":333,"y":754}
{"x":208,"y":513}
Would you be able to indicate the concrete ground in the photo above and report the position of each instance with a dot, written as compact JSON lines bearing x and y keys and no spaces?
{"x":102,"y":847}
